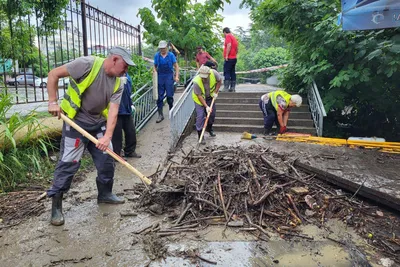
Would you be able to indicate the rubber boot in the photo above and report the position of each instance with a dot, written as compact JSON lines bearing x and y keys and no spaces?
{"x":268,"y":132}
{"x":233,"y":86}
{"x":203,"y":141}
{"x":160,"y":116}
{"x":106,"y":195}
{"x":170,"y":101}
{"x":210,"y":130}
{"x":57,"y":217}
{"x":227,"y":83}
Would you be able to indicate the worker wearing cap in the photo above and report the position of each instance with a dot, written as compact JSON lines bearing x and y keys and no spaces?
{"x":164,"y":64}
{"x":91,"y":101}
{"x":205,"y":87}
{"x":202,"y":57}
{"x":275,"y":107}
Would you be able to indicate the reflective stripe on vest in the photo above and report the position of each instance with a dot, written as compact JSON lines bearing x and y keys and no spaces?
{"x":197,"y":80}
{"x":73,"y":97}
{"x":275,"y":94}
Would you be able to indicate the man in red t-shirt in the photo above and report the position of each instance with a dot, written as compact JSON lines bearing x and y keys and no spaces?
{"x":230,"y":52}
{"x":202,"y":57}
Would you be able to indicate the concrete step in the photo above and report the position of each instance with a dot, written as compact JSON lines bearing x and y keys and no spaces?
{"x":294,"y":114}
{"x":257,"y":129}
{"x":222,"y":100}
{"x":260,"y":121}
{"x":252,"y":107}
{"x":239,"y":95}
{"x":257,"y":96}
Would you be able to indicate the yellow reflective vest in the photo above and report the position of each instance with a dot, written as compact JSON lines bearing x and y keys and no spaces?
{"x":73,"y":97}
{"x":274,"y":95}
{"x":197,"y":80}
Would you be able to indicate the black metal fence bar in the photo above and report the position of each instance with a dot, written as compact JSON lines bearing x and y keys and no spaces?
{"x":83,"y":30}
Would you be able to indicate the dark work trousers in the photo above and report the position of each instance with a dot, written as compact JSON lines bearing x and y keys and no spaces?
{"x":165,"y":85}
{"x":73,"y":144}
{"x":124,"y":124}
{"x":201,"y":114}
{"x":269,"y":114}
{"x":230,"y":70}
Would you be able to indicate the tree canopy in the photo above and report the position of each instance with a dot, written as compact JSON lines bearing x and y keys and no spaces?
{"x":185,"y":24}
{"x":354,"y":71}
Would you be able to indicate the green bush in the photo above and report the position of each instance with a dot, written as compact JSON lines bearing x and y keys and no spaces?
{"x":26,"y":159}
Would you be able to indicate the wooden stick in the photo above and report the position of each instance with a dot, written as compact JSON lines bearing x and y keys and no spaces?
{"x":206,"y":260}
{"x":270,"y":164}
{"x":222,"y":196}
{"x":298,"y":235}
{"x":257,"y":202}
{"x":253,"y":170}
{"x":145,"y":180}
{"x":205,"y":123}
{"x":183,"y":214}
{"x":209,"y":203}
{"x":256,"y":226}
{"x":201,"y":219}
{"x":294,"y":207}
{"x":42,"y":196}
{"x":164,"y":172}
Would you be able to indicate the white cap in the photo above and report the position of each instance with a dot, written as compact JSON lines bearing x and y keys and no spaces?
{"x":162,"y":44}
{"x":297,"y":100}
{"x":125,"y":54}
{"x":204,"y":72}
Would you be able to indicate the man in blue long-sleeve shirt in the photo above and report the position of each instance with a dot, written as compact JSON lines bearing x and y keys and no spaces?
{"x":125,"y":123}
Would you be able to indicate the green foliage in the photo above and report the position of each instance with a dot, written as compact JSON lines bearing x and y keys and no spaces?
{"x":353,"y":70}
{"x":25,"y":159}
{"x":141,"y":73}
{"x":185,"y":24}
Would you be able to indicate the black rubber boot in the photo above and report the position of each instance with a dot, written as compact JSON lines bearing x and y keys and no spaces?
{"x":210,"y":130}
{"x":170,"y":101}
{"x":57,"y":217}
{"x":203,"y":141}
{"x":269,"y":132}
{"x":106,"y":195}
{"x":233,"y":86}
{"x":226,"y":86}
{"x":160,"y":116}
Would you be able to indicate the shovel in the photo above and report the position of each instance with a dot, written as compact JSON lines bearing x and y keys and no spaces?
{"x":142,"y":177}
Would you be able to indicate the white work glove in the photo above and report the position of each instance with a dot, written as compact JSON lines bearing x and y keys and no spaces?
{"x":123,"y":80}
{"x":215,"y":96}
{"x":208,"y":109}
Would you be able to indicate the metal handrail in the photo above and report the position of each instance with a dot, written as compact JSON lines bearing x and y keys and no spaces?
{"x":145,"y":106}
{"x":317,"y":108}
{"x":180,"y":114}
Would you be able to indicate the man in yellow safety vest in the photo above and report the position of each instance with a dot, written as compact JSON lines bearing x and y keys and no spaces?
{"x":275,"y":107}
{"x":91,"y":101}
{"x":205,"y":87}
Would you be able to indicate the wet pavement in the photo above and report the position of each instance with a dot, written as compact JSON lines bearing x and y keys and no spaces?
{"x":97,"y":235}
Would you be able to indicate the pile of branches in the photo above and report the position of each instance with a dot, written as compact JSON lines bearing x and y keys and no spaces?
{"x":255,"y":190}
{"x":17,"y":206}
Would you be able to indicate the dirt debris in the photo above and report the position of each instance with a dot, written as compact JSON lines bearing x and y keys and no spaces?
{"x":15,"y":207}
{"x":257,"y":190}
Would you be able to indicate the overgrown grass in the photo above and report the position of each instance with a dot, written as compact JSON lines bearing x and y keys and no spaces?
{"x":25,"y":159}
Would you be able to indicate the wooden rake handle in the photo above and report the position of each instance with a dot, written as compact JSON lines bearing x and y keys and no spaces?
{"x":206,"y":121}
{"x":146,"y":180}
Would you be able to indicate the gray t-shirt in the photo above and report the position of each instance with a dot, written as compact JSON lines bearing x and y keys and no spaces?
{"x":206,"y":84}
{"x":95,"y":98}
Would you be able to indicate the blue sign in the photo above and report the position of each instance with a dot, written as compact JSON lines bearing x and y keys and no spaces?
{"x":369,"y":14}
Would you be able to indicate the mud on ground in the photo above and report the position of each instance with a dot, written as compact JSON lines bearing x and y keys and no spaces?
{"x":104,"y":235}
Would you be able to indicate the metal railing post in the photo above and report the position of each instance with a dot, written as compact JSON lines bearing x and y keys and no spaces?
{"x":84,"y":28}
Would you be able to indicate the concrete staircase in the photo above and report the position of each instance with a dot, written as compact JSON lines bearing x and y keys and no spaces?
{"x":239,"y":112}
